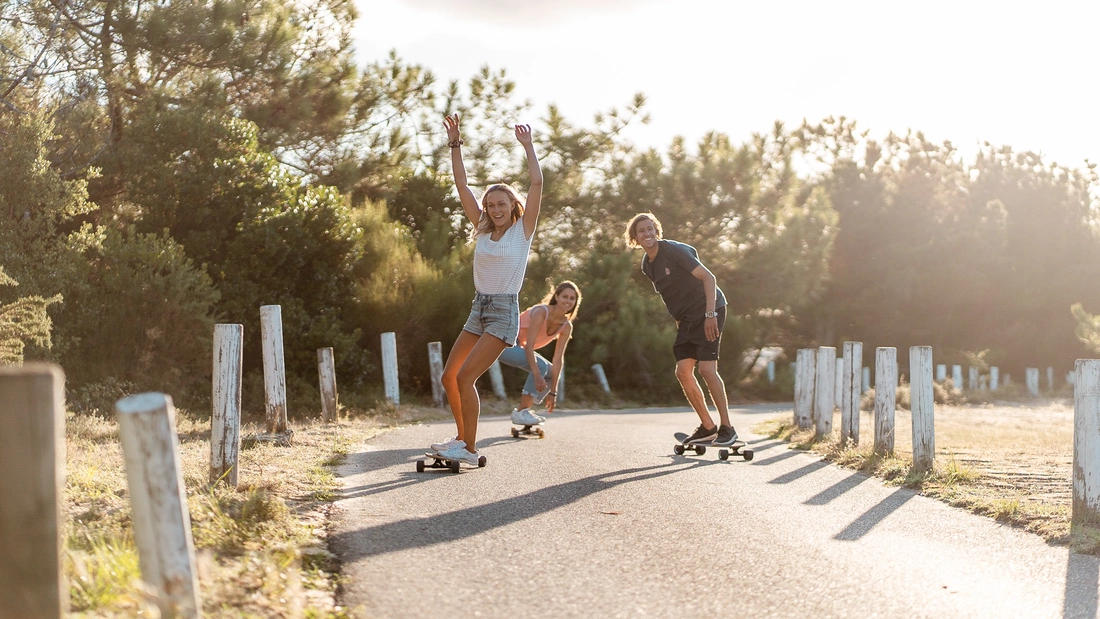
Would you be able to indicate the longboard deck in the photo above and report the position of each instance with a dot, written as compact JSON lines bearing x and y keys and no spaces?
{"x":440,"y":462}
{"x":737,"y":448}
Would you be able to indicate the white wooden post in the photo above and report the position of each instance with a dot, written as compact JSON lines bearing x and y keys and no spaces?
{"x":838,"y":383}
{"x":158,"y":500}
{"x":32,"y":458}
{"x":1086,"y":440}
{"x":389,"y":367}
{"x":271,"y":332}
{"x":1071,"y":378}
{"x":849,"y":403}
{"x":326,"y":376}
{"x":1031,"y":375}
{"x":435,"y":363}
{"x":922,"y":406}
{"x":497,"y":378}
{"x":601,"y":378}
{"x":956,"y":376}
{"x":994,"y":378}
{"x":561,"y":385}
{"x":865,"y":383}
{"x":983,"y":382}
{"x":225,"y":418}
{"x":771,"y":371}
{"x":941,"y":372}
{"x":886,"y":386}
{"x":804,"y":377}
{"x":824,"y":390}
{"x":1008,"y":379}
{"x":972,"y":378}
{"x":1050,"y":379}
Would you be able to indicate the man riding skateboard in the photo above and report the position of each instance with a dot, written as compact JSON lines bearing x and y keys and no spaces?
{"x":695,"y":301}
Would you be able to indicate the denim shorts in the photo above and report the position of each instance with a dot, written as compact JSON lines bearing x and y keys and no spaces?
{"x":495,"y":314}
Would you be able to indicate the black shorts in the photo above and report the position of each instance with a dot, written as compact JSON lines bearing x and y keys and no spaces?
{"x":691,"y":339}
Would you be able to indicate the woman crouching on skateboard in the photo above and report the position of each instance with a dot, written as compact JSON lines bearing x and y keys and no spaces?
{"x":695,"y":301}
{"x":538,"y":326}
{"x":503,"y":229}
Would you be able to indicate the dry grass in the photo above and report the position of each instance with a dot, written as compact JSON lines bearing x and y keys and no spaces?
{"x":1009,"y":461}
{"x":261,"y":547}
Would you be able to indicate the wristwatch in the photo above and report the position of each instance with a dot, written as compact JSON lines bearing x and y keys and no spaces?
{"x":711,"y":315}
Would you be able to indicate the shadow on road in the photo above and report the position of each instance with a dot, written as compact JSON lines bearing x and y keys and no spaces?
{"x":862,"y":526}
{"x":420,"y":532}
{"x":1082,"y":572}
{"x":836,"y":489}
{"x":790,"y":476}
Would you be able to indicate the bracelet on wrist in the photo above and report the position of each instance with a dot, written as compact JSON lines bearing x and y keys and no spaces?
{"x":454,"y":143}
{"x":553,"y":393}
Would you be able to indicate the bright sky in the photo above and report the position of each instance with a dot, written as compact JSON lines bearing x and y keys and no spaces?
{"x":1015,"y":73}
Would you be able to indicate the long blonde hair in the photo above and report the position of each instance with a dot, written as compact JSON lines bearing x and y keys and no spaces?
{"x":484,"y":224}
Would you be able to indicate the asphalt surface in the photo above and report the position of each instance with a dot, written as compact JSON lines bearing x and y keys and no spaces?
{"x":601,"y":518}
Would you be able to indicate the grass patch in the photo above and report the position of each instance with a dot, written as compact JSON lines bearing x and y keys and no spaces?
{"x":260,"y":547}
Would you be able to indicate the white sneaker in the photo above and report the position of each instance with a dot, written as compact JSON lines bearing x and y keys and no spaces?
{"x":526,"y":418}
{"x":447,"y":444}
{"x":459,"y":453}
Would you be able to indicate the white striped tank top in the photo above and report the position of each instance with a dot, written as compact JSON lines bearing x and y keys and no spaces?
{"x":499,"y":266}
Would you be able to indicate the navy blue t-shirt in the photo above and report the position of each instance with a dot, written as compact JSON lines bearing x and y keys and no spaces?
{"x":682,"y":292}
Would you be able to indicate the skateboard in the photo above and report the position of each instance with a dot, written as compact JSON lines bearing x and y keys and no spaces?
{"x":439,"y":462}
{"x":528,"y":430}
{"x":738,"y":448}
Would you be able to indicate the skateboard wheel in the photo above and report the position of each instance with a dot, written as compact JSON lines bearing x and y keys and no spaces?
{"x":540,"y":432}
{"x":723,"y":454}
{"x":481,"y":461}
{"x":700,"y":450}
{"x":453,"y":465}
{"x":746,"y":454}
{"x":679,"y":449}
{"x":515,"y":433}
{"x":419,"y":466}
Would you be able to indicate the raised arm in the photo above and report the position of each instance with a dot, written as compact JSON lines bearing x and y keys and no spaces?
{"x":555,"y":369}
{"x":534,"y":194}
{"x":454,"y":140}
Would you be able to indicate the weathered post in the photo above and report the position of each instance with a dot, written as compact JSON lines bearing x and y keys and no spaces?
{"x":771,"y":371}
{"x":1071,"y":378}
{"x":972,"y":378}
{"x":886,"y":387}
{"x":497,"y":378}
{"x":865,"y":383}
{"x":601,"y":378}
{"x":1050,"y":379}
{"x":922,"y":405}
{"x":1031,"y":375}
{"x":1086,"y":441}
{"x":561,"y":385}
{"x":326,"y":376}
{"x":435,"y":363}
{"x":824,"y":390}
{"x":225,"y":418}
{"x":850,"y":393}
{"x":804,"y":377}
{"x":838,"y":383}
{"x":32,"y":458}
{"x":389,"y":367}
{"x":994,"y":378}
{"x":941,"y":372}
{"x":271,"y":332}
{"x":956,"y":376}
{"x":158,"y":500}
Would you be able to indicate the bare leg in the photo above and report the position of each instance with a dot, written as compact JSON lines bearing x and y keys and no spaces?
{"x":685,"y":373}
{"x":717,"y":388}
{"x":525,"y":401}
{"x":455,"y":359}
{"x":480,"y":357}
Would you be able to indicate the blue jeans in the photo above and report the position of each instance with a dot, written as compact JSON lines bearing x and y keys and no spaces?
{"x":516,"y":356}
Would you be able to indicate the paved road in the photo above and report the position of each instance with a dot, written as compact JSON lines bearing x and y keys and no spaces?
{"x":602,"y":519}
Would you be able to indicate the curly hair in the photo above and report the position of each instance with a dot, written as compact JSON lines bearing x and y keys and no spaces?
{"x":631,"y":234}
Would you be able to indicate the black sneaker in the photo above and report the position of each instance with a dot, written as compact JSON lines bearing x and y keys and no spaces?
{"x":701,"y":436}
{"x":726,"y":436}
